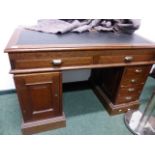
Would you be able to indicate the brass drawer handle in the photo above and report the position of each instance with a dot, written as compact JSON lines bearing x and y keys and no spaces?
{"x":138,"y":70}
{"x":131,"y":89}
{"x":56,"y":62}
{"x":128,"y":98}
{"x":128,"y":58}
{"x":133,"y":80}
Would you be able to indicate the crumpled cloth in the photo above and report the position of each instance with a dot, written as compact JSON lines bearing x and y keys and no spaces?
{"x":61,"y":26}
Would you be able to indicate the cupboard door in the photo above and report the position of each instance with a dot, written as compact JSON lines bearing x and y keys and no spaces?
{"x":40,"y":95}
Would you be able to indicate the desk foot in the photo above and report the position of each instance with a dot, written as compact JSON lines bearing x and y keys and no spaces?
{"x":112,"y":108}
{"x":44,"y":125}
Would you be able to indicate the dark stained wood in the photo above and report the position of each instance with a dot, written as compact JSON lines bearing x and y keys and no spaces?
{"x":40,"y":48}
{"x":133,"y":78}
{"x":40,"y":95}
{"x":121,"y":58}
{"x":49,"y":69}
{"x":43,"y":125}
{"x":111,"y":108}
{"x":108,"y":80}
{"x":137,"y":71}
{"x":133,"y":92}
{"x":41,"y":63}
{"x":117,"y":83}
{"x":37,"y":73}
{"x":72,"y":60}
{"x":126,"y":98}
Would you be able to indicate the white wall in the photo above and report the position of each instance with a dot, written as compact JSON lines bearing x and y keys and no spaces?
{"x":17,"y":12}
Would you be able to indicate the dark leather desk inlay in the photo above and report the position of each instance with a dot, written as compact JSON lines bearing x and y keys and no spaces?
{"x":32,"y":37}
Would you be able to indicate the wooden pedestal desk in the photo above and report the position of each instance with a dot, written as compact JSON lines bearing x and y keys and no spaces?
{"x":120,"y":65}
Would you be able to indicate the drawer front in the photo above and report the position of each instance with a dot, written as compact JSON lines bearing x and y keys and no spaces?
{"x":133,"y":81}
{"x":135,"y":89}
{"x":53,"y":62}
{"x":135,"y":75}
{"x":128,"y":94}
{"x":124,"y":58}
{"x":137,"y":71}
{"x":127,"y":98}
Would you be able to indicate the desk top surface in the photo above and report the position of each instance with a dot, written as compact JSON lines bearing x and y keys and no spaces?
{"x":31,"y":39}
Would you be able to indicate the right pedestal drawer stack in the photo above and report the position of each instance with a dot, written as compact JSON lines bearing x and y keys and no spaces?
{"x":131,"y":84}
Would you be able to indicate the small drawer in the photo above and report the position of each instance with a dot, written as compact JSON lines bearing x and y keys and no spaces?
{"x":130,"y":82}
{"x":53,"y":62}
{"x":127,"y":98}
{"x":137,"y":71}
{"x":133,"y":90}
{"x":124,"y":58}
{"x":135,"y":75}
{"x":128,"y":94}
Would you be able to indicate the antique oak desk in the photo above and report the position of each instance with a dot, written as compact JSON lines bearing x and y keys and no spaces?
{"x":120,"y":65}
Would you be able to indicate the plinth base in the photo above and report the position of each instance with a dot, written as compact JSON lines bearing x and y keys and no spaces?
{"x":112,"y":108}
{"x":44,"y":125}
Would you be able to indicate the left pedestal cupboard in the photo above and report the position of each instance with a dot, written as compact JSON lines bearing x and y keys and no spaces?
{"x":40,"y":97}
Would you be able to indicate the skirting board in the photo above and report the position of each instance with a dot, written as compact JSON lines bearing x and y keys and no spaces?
{"x":9,"y":91}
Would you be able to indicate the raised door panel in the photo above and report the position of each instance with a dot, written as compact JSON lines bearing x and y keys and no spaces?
{"x":39,"y":95}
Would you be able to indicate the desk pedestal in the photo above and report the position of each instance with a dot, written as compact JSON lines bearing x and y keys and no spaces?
{"x":43,"y":125}
{"x":111,"y":107}
{"x":119,"y":88}
{"x":40,"y":98}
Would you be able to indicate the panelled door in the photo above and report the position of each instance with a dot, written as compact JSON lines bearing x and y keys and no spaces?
{"x":40,"y":95}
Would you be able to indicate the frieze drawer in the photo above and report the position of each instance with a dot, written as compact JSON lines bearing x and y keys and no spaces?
{"x":52,"y":62}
